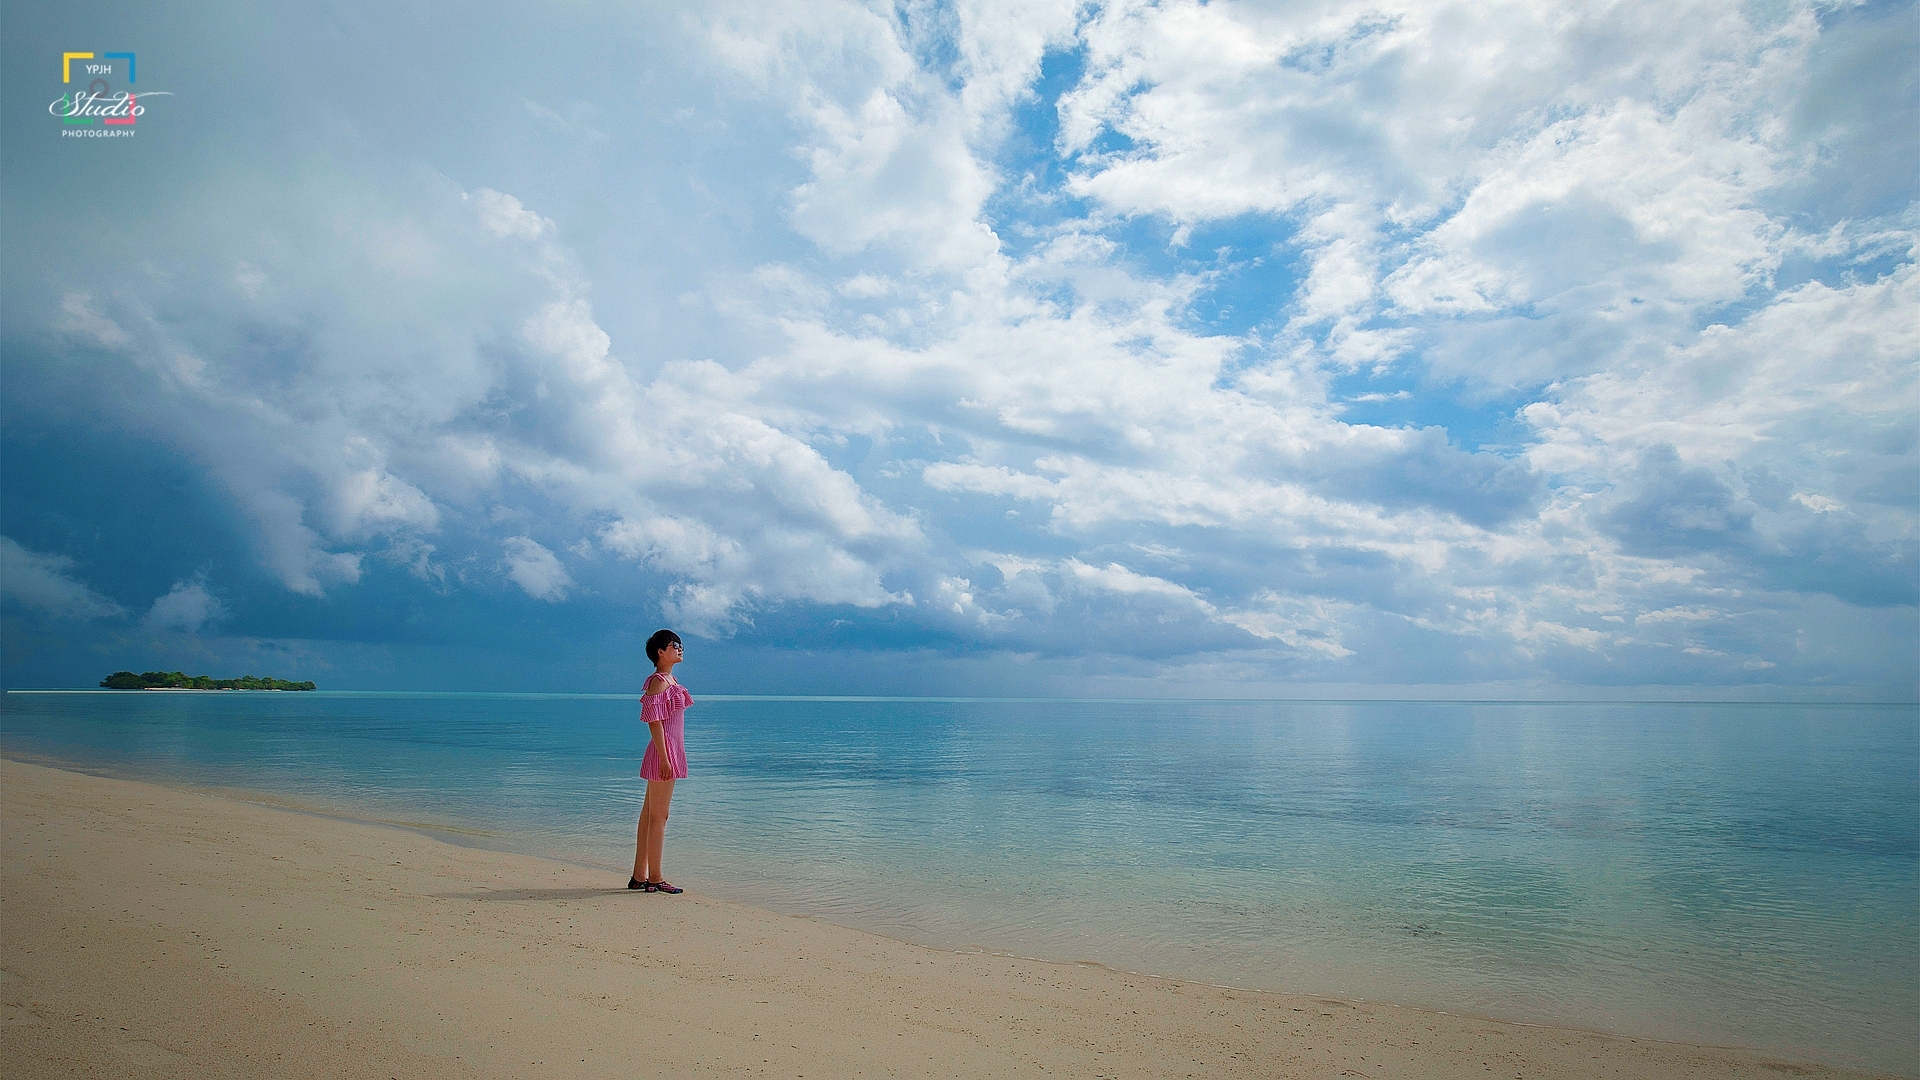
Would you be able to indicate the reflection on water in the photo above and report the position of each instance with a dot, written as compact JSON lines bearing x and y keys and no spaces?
{"x":1721,"y":873}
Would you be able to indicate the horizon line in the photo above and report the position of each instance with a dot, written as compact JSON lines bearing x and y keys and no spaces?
{"x":1077,"y":700}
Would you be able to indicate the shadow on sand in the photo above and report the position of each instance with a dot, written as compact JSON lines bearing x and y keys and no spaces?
{"x":536,"y":894}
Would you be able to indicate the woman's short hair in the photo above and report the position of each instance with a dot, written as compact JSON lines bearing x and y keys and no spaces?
{"x":660,"y":640}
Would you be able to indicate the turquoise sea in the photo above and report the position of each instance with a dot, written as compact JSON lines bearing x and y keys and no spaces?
{"x":1730,"y":874}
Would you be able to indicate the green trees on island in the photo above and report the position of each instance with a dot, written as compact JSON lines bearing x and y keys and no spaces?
{"x":174,"y":680}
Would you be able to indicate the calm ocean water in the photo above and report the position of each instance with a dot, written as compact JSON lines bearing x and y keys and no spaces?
{"x":1744,"y":874}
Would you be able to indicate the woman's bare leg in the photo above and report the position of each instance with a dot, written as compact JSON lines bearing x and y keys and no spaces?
{"x":653,"y":830}
{"x":640,"y":840}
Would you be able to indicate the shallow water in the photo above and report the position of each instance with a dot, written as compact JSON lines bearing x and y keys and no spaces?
{"x":1745,"y":874}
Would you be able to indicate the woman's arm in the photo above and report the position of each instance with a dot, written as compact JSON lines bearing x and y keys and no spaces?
{"x":660,"y":748}
{"x":658,"y":730}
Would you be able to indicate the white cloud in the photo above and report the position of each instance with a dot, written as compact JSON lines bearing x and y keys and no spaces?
{"x":1679,"y":614}
{"x":1116,"y":578}
{"x":995,"y":480}
{"x":371,"y":501}
{"x":1702,"y":449}
{"x":292,"y":550}
{"x":45,"y":582}
{"x":536,"y":570}
{"x":899,"y":157}
{"x":1594,"y":166}
{"x":188,"y":607}
{"x":79,"y":318}
{"x":503,"y":216}
{"x":1313,"y":626}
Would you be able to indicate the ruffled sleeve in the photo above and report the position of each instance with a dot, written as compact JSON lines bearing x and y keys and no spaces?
{"x":656,"y":707}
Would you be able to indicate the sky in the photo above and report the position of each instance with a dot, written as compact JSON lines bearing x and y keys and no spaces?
{"x":1318,"y":349}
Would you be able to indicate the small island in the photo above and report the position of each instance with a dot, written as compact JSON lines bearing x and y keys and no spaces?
{"x":174,"y":680}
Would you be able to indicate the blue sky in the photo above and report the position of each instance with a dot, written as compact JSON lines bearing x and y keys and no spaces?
{"x":1322,"y":349}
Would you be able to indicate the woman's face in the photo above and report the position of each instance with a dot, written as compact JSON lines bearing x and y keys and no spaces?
{"x":672,"y":653}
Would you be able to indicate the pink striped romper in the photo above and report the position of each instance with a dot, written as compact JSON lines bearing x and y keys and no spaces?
{"x":668,"y":708}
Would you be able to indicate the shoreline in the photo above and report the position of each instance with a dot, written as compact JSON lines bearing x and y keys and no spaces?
{"x":386,"y":937}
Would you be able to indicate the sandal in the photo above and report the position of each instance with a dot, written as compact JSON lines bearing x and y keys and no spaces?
{"x":661,"y":886}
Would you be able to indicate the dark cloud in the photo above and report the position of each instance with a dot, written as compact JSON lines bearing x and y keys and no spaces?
{"x":1665,"y":507}
{"x":1483,"y":489}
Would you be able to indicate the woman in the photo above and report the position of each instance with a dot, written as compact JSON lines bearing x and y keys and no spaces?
{"x":663,"y":707}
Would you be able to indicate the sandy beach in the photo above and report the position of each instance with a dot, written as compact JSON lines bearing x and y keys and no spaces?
{"x":153,"y":932}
